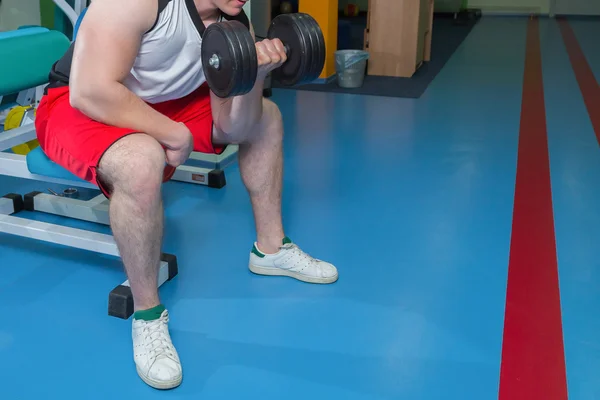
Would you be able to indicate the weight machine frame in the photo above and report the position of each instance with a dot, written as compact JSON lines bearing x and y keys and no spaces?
{"x":120,"y":299}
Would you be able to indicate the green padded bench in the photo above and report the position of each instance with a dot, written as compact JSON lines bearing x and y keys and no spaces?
{"x":32,"y":51}
{"x":38,"y":163}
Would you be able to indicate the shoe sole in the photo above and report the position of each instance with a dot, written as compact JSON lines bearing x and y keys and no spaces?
{"x":161,"y":385}
{"x":282,"y":272}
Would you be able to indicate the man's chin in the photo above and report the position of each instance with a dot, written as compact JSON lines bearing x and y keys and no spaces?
{"x":232,"y":11}
{"x":237,"y":6}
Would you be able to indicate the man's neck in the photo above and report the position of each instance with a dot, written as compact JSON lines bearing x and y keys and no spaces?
{"x":207,"y":10}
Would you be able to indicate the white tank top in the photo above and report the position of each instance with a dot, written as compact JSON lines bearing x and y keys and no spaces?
{"x":168,"y":65}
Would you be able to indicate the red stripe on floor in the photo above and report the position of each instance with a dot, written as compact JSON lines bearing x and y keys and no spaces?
{"x":588,"y":85}
{"x":533,"y":363}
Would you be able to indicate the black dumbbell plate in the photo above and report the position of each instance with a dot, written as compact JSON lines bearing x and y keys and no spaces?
{"x":230,"y":44}
{"x":303,"y":37}
{"x":318,"y":53}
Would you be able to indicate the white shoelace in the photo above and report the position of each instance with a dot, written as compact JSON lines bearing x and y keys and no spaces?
{"x":296,"y":250}
{"x":302,"y":254}
{"x":157,"y":342}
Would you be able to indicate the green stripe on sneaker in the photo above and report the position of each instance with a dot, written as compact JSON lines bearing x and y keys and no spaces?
{"x":150,"y":314}
{"x":256,"y":252}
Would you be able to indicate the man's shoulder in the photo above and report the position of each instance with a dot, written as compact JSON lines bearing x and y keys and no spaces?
{"x":133,"y":15}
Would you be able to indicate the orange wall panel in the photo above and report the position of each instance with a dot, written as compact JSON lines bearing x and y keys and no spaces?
{"x":326,"y":14}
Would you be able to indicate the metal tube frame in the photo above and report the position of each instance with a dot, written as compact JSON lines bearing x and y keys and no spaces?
{"x":120,"y":300}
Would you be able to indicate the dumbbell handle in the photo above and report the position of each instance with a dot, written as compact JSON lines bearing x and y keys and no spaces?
{"x":215,"y":62}
{"x":287,"y":49}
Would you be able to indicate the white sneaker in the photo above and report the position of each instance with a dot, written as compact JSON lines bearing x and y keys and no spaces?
{"x":293,"y":262}
{"x":156,"y":359}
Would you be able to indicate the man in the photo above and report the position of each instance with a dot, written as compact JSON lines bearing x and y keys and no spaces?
{"x":126,"y":105}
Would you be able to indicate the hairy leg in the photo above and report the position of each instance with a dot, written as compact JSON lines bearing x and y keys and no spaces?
{"x":132,"y":170}
{"x":261,"y":168}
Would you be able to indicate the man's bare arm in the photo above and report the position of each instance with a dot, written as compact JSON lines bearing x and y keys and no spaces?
{"x":237,"y":113}
{"x":106,"y":47}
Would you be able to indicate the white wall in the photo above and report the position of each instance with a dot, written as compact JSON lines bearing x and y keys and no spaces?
{"x":577,"y":7}
{"x":15,"y":13}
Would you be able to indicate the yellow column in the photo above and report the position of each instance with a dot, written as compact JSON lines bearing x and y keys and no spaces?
{"x":326,"y":14}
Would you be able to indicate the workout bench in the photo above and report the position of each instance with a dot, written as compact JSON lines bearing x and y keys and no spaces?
{"x":33,"y":51}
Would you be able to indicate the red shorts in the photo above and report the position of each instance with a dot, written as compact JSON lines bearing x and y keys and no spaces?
{"x":77,"y":142}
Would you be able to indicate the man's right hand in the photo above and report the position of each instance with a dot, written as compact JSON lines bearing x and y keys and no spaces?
{"x":271,"y":55}
{"x":180,"y":145}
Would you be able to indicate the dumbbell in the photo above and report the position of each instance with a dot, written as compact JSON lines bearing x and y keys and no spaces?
{"x":230,"y":61}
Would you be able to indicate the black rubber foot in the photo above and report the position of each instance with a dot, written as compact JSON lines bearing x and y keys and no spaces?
{"x":120,"y":299}
{"x":172,"y":261}
{"x":216,"y":179}
{"x":17,"y":200}
{"x":120,"y":302}
{"x":29,"y":204}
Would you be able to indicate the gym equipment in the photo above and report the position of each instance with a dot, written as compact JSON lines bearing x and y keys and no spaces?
{"x":37,"y":49}
{"x":17,"y":117}
{"x":229,"y":57}
{"x":305,"y":48}
{"x":50,"y":46}
{"x":73,"y":13}
{"x":27,"y":75}
{"x":120,"y":300}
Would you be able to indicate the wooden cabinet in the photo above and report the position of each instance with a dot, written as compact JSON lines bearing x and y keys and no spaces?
{"x":398,"y":36}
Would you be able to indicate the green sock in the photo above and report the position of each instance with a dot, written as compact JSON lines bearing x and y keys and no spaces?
{"x":150,"y":314}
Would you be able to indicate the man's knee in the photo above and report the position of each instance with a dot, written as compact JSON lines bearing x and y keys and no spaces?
{"x":133,"y":165}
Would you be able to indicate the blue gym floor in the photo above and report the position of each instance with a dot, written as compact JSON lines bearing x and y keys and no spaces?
{"x":411,"y":199}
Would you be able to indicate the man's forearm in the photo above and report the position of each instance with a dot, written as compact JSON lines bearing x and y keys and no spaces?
{"x":113,"y":104}
{"x":240,"y":112}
